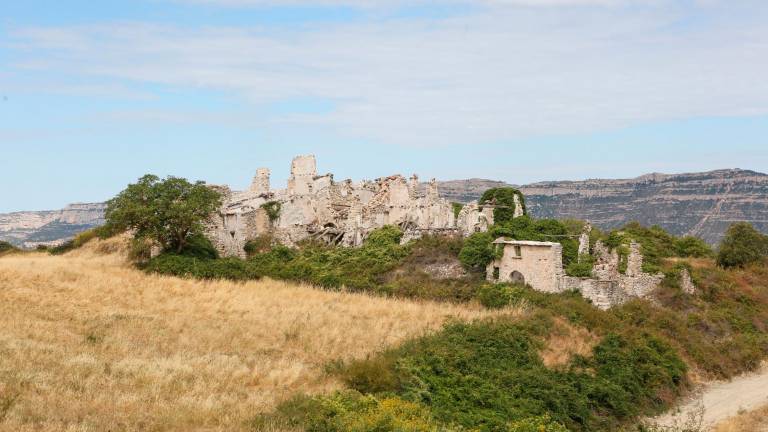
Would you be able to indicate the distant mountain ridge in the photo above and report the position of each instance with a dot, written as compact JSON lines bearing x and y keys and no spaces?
{"x":31,"y":228}
{"x":702,"y":204}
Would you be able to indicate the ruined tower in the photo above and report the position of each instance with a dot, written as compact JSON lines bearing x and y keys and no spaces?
{"x":260,"y":184}
{"x":303,"y":172}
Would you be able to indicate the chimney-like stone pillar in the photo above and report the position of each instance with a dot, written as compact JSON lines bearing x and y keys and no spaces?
{"x":260,"y":184}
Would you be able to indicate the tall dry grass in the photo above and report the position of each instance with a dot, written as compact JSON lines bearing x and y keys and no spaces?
{"x":88,"y":343}
{"x":751,"y":421}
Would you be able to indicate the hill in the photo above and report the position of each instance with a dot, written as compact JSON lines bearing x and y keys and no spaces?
{"x":700,"y":204}
{"x":50,"y":227}
{"x":91,"y":343}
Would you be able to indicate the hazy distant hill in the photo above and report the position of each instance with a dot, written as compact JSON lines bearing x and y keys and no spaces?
{"x":701,"y":204}
{"x":31,"y":228}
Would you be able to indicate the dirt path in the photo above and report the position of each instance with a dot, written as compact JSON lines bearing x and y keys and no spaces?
{"x":718,"y":401}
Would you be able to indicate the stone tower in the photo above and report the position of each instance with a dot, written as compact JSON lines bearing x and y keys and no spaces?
{"x":303,"y":173}
{"x":260,"y":184}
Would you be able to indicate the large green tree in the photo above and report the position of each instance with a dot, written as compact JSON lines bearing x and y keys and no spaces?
{"x":170,"y":211}
{"x":742,"y":245}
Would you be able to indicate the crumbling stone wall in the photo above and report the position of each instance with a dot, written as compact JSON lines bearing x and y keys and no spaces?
{"x":540,"y":265}
{"x":317,"y":207}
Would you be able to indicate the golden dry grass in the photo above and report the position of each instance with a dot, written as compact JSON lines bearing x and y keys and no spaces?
{"x":565,"y":341}
{"x":88,"y":343}
{"x":752,"y":421}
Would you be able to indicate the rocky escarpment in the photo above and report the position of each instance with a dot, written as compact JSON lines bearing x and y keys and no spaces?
{"x":29,"y":229}
{"x":701,"y":204}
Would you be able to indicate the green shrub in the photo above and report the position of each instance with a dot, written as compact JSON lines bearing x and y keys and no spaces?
{"x":582,"y":267}
{"x":489,"y":375}
{"x":456,"y":207}
{"x":384,"y":237}
{"x":504,"y":199}
{"x":497,"y":296}
{"x":692,"y":247}
{"x":536,"y":424}
{"x":198,"y":246}
{"x":350,"y":412}
{"x":6,"y":247}
{"x":190,"y":266}
{"x":273,"y":209}
{"x":742,"y":245}
{"x":478,"y":251}
{"x":259,"y":245}
{"x":62,"y":248}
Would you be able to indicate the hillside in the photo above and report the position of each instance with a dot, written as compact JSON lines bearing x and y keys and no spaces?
{"x":28,"y":229}
{"x":701,"y":204}
{"x":90,"y":343}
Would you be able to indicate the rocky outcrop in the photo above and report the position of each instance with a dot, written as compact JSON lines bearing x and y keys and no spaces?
{"x":28,"y":229}
{"x":700,"y":204}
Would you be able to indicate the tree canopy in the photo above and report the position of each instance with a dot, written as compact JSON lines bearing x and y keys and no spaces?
{"x":169,"y":211}
{"x":742,"y":245}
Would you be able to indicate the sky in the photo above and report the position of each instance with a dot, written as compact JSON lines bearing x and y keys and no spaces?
{"x":94,"y":94}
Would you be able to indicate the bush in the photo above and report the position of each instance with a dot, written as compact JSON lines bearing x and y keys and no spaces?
{"x":456,"y":207}
{"x":259,"y":245}
{"x":273,"y":209}
{"x":742,"y":245}
{"x":692,"y":247}
{"x":536,"y":424}
{"x":497,"y":296}
{"x":504,"y":198}
{"x":489,"y":375}
{"x":6,"y":247}
{"x":62,"y":248}
{"x":582,"y":267}
{"x":478,"y":251}
{"x":190,"y":266}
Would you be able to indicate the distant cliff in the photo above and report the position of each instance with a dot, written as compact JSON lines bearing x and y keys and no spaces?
{"x":701,"y":204}
{"x":28,"y":229}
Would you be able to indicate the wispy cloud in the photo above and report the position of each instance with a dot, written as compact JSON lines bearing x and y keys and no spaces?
{"x":495,"y":75}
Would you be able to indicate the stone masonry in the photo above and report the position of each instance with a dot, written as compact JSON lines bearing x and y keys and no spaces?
{"x":317,"y":207}
{"x":540,"y":265}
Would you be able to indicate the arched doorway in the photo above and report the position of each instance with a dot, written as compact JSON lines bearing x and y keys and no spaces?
{"x":517,"y":278}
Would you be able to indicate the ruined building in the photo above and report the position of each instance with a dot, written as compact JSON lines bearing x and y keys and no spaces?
{"x":540,"y":265}
{"x":317,"y":207}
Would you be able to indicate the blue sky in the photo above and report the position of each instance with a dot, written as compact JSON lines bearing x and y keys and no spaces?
{"x":95,"y":94}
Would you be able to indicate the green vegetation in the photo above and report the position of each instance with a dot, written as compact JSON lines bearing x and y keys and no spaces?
{"x":273,"y":210}
{"x":169,"y":212}
{"x":6,"y":247}
{"x":656,"y":245}
{"x":503,"y":200}
{"x":488,"y":376}
{"x":102,"y":232}
{"x":742,"y":245}
{"x":456,"y":207}
{"x":479,"y":250}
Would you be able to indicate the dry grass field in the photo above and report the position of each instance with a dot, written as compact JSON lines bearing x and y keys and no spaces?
{"x":88,"y":343}
{"x":752,"y":421}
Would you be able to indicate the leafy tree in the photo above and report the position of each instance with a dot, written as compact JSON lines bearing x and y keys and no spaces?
{"x":169,"y":211}
{"x":742,"y":245}
{"x":504,"y":198}
{"x":692,"y":247}
{"x":5,"y":247}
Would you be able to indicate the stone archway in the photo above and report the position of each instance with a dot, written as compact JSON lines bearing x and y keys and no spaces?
{"x":517,"y":278}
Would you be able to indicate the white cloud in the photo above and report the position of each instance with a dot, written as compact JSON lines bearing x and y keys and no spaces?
{"x":493,"y":76}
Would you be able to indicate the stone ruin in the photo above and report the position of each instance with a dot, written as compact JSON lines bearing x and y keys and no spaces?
{"x":540,"y":264}
{"x":317,"y":207}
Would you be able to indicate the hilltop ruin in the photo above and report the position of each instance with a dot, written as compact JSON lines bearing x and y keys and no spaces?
{"x":317,"y":207}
